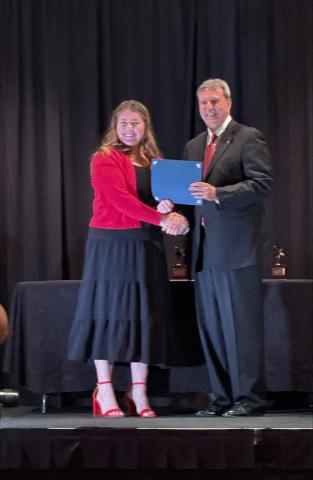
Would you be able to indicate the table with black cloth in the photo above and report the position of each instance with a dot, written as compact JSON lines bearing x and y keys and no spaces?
{"x":42,"y":312}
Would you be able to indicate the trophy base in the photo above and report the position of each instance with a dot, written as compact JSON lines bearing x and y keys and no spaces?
{"x":278,"y":271}
{"x":178,"y":272}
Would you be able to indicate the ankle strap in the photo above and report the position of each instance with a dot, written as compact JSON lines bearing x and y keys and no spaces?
{"x":103,"y":383}
{"x":139,"y":383}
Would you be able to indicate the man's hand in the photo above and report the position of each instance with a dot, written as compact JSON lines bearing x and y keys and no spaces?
{"x":165,"y":206}
{"x":174,"y":224}
{"x":203,"y":190}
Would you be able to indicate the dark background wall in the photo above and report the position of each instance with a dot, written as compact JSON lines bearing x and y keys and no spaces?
{"x":65,"y":64}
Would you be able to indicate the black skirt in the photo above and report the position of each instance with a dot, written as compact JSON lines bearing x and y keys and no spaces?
{"x":124,"y":312}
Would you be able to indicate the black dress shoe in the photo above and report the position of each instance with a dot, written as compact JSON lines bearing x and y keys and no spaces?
{"x":211,"y":411}
{"x":242,"y":409}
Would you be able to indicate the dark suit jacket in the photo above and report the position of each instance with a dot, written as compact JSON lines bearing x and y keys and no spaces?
{"x":241,"y":172}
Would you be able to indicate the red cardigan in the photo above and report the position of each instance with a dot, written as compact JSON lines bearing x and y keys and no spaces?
{"x":115,"y":201}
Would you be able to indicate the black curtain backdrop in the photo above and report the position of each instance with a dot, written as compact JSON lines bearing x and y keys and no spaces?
{"x":65,"y":64}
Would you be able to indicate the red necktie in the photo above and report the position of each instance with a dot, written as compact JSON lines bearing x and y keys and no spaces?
{"x":208,"y":155}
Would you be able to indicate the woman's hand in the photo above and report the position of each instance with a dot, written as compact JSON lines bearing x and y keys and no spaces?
{"x":174,"y":224}
{"x":165,"y":206}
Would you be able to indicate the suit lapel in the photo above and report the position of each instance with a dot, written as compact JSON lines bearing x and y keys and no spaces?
{"x":223,"y":144}
{"x":201,"y":144}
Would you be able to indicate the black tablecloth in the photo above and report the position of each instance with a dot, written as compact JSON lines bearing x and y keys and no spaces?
{"x":41,"y":315}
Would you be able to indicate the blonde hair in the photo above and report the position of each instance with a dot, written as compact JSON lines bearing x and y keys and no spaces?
{"x":149,"y":147}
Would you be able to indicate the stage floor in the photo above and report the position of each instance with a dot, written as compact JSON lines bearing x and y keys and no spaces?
{"x":71,"y":418}
{"x":277,"y":445}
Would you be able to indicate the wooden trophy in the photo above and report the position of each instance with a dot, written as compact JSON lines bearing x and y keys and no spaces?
{"x":179,"y":270}
{"x":278,"y":268}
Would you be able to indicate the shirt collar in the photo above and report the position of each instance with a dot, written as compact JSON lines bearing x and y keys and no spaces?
{"x":221,"y":129}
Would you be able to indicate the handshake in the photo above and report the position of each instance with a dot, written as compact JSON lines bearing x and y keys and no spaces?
{"x":172,"y":223}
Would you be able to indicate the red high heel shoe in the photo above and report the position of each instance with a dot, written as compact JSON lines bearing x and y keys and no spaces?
{"x":131,"y":407}
{"x":96,"y":407}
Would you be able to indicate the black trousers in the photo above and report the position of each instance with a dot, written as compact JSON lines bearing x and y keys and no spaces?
{"x":230,"y":318}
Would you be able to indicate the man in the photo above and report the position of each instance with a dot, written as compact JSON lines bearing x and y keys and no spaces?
{"x":226,"y":251}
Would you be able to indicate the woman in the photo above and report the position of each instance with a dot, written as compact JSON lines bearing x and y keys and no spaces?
{"x":4,"y":324}
{"x":123,"y":307}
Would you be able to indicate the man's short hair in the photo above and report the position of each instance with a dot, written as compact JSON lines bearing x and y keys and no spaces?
{"x":215,"y":82}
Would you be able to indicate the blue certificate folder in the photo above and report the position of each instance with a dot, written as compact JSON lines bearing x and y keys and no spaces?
{"x":170,"y":180}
